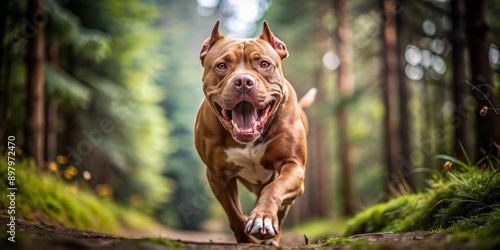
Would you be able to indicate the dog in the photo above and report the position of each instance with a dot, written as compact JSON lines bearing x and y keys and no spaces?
{"x":250,"y":127}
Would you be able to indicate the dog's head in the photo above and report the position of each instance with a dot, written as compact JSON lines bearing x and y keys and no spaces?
{"x":243,"y":81}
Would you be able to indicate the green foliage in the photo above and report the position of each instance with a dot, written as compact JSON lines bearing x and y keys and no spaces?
{"x":160,"y":241}
{"x":65,"y":28}
{"x":113,"y":52}
{"x":387,"y":216}
{"x":356,"y":244}
{"x":43,"y":197}
{"x":321,"y":228}
{"x":482,"y":228}
{"x":457,"y":201}
{"x":65,"y":89}
{"x":335,"y":241}
{"x":180,"y":77}
{"x":101,"y":66}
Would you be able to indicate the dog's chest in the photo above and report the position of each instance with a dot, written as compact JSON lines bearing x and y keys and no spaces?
{"x":248,"y":159}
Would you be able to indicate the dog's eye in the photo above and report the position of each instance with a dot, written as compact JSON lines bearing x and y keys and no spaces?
{"x":221,"y":66}
{"x":265,"y":64}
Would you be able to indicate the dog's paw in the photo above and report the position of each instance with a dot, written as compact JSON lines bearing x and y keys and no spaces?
{"x":262,"y":228}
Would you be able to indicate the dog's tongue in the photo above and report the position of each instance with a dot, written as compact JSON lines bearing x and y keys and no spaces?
{"x":244,"y":115}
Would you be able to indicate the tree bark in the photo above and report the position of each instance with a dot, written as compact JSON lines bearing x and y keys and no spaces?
{"x":461,"y":124}
{"x":314,"y":203}
{"x":4,"y":76}
{"x":389,"y":93}
{"x":487,"y":127}
{"x":345,"y":89}
{"x":404,"y":117}
{"x":320,"y":153}
{"x":51,"y":111}
{"x":34,"y":141}
{"x":3,"y":31}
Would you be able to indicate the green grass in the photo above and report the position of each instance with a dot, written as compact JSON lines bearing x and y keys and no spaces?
{"x":161,"y":241}
{"x":336,"y":241}
{"x":320,"y":229}
{"x":465,"y":202}
{"x":42,"y":197}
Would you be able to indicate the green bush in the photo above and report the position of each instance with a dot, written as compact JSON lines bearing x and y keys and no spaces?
{"x":43,"y":197}
{"x":456,"y":200}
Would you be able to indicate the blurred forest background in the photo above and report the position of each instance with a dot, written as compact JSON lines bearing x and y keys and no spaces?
{"x":106,"y":92}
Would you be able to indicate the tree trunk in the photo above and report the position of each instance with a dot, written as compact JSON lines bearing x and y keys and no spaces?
{"x":461,"y":124}
{"x":314,"y":203}
{"x":389,"y":93}
{"x":4,"y":76}
{"x":321,"y":153}
{"x":487,"y":127}
{"x":404,"y":117}
{"x":345,"y":89}
{"x":51,"y":112}
{"x":3,"y":31}
{"x":5,"y":128}
{"x":35,"y":93}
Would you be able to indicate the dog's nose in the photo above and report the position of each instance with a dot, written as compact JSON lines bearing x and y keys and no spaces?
{"x":244,"y":82}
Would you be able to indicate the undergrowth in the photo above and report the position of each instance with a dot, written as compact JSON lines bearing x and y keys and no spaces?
{"x":160,"y":241}
{"x":461,"y":198}
{"x":41,"y":197}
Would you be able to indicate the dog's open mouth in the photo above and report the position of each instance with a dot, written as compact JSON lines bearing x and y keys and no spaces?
{"x":244,"y":121}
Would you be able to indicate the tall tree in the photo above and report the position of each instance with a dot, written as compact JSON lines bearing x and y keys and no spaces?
{"x":51,"y":111}
{"x":35,"y":123}
{"x":404,"y":116}
{"x":4,"y":88}
{"x":461,"y":124}
{"x":315,"y":23}
{"x":317,"y":189}
{"x":487,"y":125}
{"x":345,"y":89}
{"x":389,"y":95}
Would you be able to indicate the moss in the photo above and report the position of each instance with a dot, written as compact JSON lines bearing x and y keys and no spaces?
{"x":460,"y":201}
{"x":394,"y":215}
{"x":492,"y":225}
{"x":161,"y":241}
{"x":336,"y":241}
{"x":321,"y":229}
{"x":484,"y":234}
{"x":43,"y":197}
{"x":354,"y":244}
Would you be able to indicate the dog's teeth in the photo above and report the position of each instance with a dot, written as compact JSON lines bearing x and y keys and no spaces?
{"x":255,"y":126}
{"x":236,"y":129}
{"x":224,"y":113}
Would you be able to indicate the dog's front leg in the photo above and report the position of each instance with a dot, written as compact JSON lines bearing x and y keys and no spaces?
{"x":226,"y":192}
{"x":264,"y":222}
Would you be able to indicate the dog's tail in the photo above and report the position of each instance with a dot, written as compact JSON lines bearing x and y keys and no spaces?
{"x":308,"y":98}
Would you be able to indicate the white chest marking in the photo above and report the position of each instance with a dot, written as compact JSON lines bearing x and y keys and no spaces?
{"x":249,"y":159}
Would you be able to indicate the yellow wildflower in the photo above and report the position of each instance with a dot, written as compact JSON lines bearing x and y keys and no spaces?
{"x":70,"y":172}
{"x":104,"y":190}
{"x":448,"y":164}
{"x":61,"y":159}
{"x":53,"y":167}
{"x":71,"y":189}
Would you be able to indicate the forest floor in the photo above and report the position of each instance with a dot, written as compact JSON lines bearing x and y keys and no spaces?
{"x":42,"y":236}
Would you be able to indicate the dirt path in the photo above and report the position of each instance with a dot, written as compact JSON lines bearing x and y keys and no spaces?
{"x":40,"y":236}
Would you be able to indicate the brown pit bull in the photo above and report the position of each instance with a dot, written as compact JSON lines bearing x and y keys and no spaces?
{"x":251,"y":128}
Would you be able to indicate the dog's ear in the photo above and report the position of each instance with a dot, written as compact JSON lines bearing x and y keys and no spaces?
{"x":209,"y":42}
{"x":278,"y":45}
